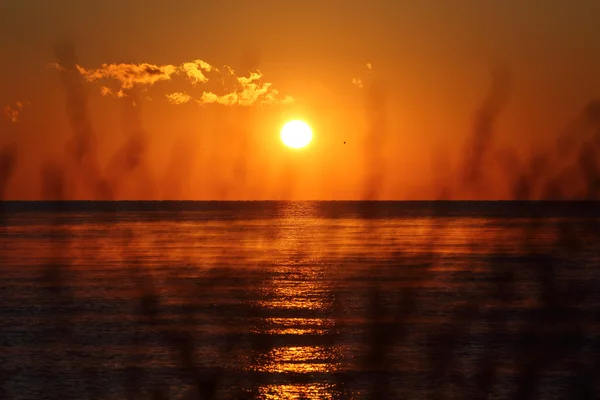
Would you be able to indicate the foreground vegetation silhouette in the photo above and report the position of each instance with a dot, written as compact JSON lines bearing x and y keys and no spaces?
{"x":557,"y":333}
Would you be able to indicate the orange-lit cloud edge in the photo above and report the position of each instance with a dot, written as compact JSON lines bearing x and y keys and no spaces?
{"x":249,"y":90}
{"x":13,"y":112}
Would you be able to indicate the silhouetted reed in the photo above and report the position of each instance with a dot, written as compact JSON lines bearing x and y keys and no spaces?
{"x":553,"y":334}
{"x":8,"y":159}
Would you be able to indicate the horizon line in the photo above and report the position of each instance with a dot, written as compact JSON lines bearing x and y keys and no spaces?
{"x":311,"y":201}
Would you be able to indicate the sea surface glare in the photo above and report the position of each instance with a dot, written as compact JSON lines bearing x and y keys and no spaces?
{"x":291,"y":300}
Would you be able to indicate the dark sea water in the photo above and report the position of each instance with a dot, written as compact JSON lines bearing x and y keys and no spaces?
{"x":290,"y":300}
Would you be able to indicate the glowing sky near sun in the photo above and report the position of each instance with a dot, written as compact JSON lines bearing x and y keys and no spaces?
{"x":187,"y":101}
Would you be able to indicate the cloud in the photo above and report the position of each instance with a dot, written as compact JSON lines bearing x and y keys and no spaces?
{"x":130,"y":74}
{"x":55,"y":65}
{"x":13,"y":113}
{"x":106,"y":91}
{"x":358,"y":82}
{"x":178,"y":98}
{"x":194,"y":70}
{"x":251,"y":90}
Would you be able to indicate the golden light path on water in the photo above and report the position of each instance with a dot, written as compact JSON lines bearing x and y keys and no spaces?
{"x":297,"y":391}
{"x":296,"y":286}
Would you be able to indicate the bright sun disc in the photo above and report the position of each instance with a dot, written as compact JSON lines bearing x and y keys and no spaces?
{"x":296,"y":134}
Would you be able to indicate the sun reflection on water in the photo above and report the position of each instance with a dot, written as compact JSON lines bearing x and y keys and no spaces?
{"x":296,"y":326}
{"x":297,"y":391}
{"x":300,"y":360}
{"x":297,"y":285}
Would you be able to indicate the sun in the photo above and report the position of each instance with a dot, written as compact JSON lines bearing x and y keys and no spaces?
{"x":296,"y":134}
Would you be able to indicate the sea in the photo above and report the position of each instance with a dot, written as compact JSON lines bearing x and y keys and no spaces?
{"x":299,"y":300}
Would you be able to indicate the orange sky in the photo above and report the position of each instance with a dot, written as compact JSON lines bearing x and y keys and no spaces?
{"x":408,"y":129}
